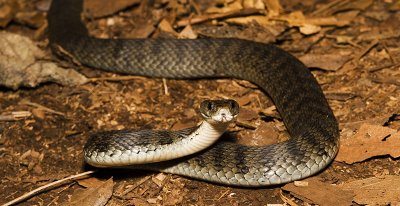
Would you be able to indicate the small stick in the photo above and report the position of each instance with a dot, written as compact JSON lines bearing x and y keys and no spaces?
{"x":138,"y":183}
{"x":27,"y":102}
{"x":46,"y":187}
{"x":204,"y":18}
{"x":16,"y":115}
{"x":365,"y":50}
{"x":223,"y":194}
{"x":287,"y":200}
{"x":166,"y":92}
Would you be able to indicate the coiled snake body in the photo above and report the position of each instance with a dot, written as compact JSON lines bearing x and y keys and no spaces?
{"x":295,"y":92}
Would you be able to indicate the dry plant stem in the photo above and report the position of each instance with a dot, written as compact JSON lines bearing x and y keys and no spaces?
{"x":365,"y":50}
{"x":223,"y":194}
{"x":26,"y":102}
{"x":204,"y":18}
{"x":166,"y":92}
{"x":138,"y":183}
{"x":46,"y":187}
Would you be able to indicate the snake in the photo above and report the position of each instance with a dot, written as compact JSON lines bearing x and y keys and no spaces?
{"x":299,"y":99}
{"x":139,"y":146}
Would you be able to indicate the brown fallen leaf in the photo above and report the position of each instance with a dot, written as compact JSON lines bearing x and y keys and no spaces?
{"x":39,"y":113}
{"x":316,"y":193}
{"x":230,"y":7}
{"x":165,"y":26}
{"x":329,"y":62}
{"x":22,"y":63}
{"x":90,"y":182}
{"x":92,"y":196}
{"x":247,"y":115}
{"x":309,"y":29}
{"x":297,"y":18}
{"x":272,"y":27}
{"x":370,"y":141}
{"x":139,"y":202}
{"x":159,"y":179}
{"x":379,"y":120}
{"x":174,"y":192}
{"x":341,"y":5}
{"x":187,"y":33}
{"x":255,"y":4}
{"x":265,"y":134}
{"x":101,"y":8}
{"x":274,"y":7}
{"x":385,"y":79}
{"x":375,"y":190}
{"x":142,"y":31}
{"x":182,"y":125}
{"x":32,"y":19}
{"x":7,"y":12}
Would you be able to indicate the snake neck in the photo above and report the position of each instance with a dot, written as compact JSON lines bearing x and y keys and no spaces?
{"x":192,"y":140}
{"x":205,"y":135}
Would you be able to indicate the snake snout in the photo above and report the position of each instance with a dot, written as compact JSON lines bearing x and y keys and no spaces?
{"x":223,"y":115}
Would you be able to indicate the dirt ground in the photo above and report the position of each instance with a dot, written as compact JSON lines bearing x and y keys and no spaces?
{"x":352,"y":48}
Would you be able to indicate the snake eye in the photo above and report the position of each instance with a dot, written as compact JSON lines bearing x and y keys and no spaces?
{"x":234,"y":107}
{"x":210,"y":106}
{"x":206,"y":107}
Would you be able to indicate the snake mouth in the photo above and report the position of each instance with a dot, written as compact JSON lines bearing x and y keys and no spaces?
{"x":223,"y":115}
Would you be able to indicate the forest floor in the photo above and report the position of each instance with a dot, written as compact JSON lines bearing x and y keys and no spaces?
{"x":351,"y":47}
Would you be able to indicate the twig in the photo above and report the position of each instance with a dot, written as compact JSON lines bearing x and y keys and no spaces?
{"x":330,"y":8}
{"x":138,"y":183}
{"x":386,"y":80}
{"x":384,"y":66}
{"x":365,"y":50}
{"x":204,"y":18}
{"x":166,"y":92}
{"x":16,"y":115}
{"x":287,"y":200}
{"x":223,"y":194}
{"x":26,"y":102}
{"x":46,"y":187}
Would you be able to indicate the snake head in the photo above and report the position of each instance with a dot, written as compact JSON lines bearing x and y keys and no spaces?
{"x":219,"y":111}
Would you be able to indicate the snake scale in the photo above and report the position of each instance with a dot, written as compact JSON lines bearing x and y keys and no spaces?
{"x":313,"y":129}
